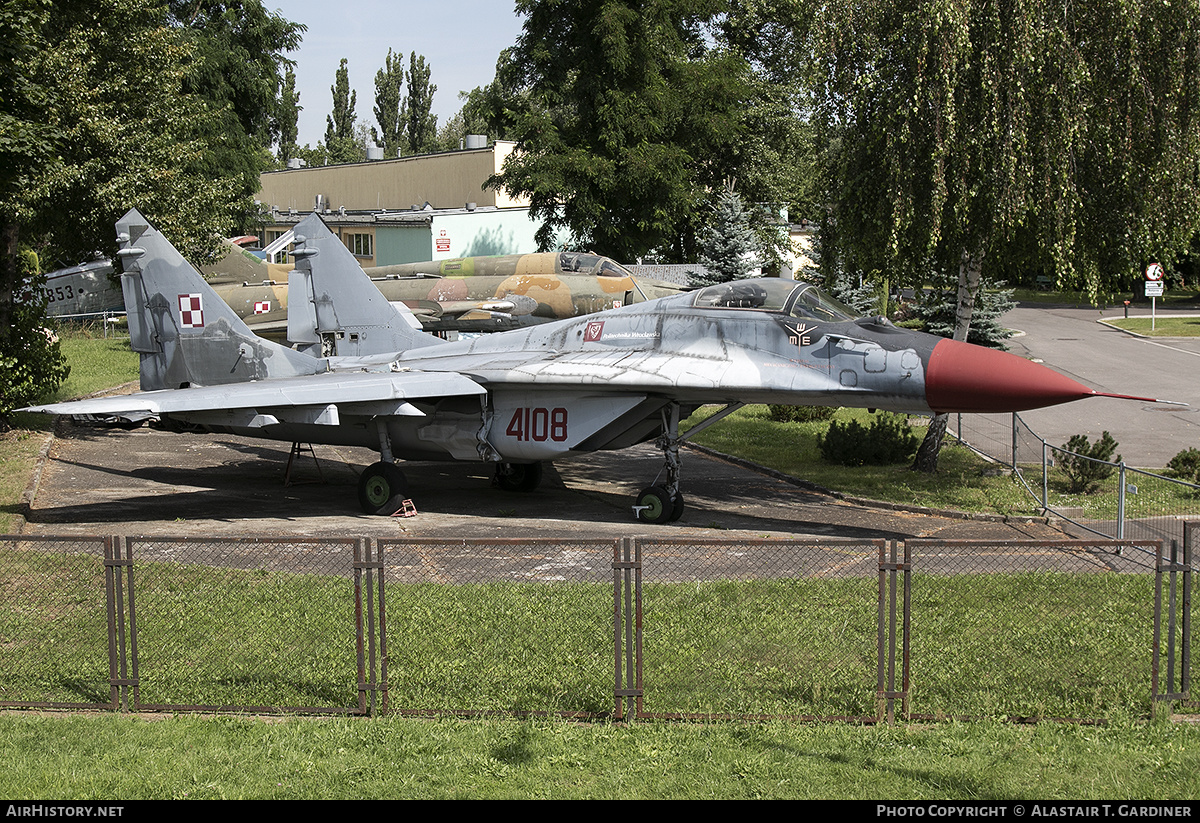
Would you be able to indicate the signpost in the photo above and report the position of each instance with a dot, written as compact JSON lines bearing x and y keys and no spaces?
{"x":1154,"y":288}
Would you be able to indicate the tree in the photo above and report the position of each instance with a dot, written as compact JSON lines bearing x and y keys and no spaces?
{"x":419,"y":123}
{"x":966,"y":135}
{"x":238,"y":66}
{"x":728,"y":246}
{"x":473,"y":118}
{"x":628,"y":122}
{"x":30,"y":361}
{"x":288,"y":116}
{"x":388,"y":81}
{"x":90,"y":130}
{"x":936,"y":309}
{"x":339,"y":125}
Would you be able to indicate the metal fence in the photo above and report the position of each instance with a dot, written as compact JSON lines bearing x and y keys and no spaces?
{"x":632,"y":628}
{"x":1128,"y":503}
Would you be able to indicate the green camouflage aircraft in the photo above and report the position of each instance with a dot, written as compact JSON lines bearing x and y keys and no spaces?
{"x":471,"y":294}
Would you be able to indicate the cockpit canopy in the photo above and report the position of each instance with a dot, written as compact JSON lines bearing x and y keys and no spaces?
{"x":802,"y":300}
{"x":591,"y":264}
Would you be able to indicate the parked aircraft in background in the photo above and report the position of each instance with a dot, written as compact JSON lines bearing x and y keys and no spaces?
{"x":364,"y":376}
{"x":466,"y":294}
{"x":470,"y":294}
{"x":84,"y":289}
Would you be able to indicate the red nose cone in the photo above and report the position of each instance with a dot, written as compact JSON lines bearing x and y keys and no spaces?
{"x":966,"y":378}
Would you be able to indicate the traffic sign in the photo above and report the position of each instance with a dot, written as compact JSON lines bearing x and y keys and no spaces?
{"x":1154,"y":272}
{"x":1154,"y":288}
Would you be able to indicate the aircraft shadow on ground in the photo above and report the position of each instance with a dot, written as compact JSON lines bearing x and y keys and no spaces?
{"x":596,"y":489}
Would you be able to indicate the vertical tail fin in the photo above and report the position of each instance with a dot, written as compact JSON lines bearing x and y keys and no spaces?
{"x":185,"y":333}
{"x":333,"y":307}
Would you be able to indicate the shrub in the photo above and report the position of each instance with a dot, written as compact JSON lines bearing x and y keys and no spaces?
{"x":887,"y":440}
{"x":801,"y":414}
{"x":1081,"y":462}
{"x":1185,"y":465}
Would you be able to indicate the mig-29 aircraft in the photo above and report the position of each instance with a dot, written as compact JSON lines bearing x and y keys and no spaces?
{"x":364,"y":375}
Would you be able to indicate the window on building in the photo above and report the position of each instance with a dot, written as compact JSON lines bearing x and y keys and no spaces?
{"x":362,"y":245}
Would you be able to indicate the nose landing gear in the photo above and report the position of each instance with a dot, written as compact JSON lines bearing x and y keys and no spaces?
{"x":664,"y":503}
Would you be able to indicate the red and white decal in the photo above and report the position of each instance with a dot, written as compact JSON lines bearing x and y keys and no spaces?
{"x":262,"y":307}
{"x":191,"y":312}
{"x":594,"y":331}
{"x":538,"y":425}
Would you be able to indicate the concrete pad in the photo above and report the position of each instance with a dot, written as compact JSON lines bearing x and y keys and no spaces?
{"x":147,"y":481}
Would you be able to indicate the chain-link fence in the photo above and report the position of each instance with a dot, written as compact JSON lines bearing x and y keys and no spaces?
{"x":1104,"y":498}
{"x":252,"y":624}
{"x":761,"y":627}
{"x":1034,"y":630}
{"x":500,"y":626}
{"x":636,"y":627}
{"x":58,"y":641}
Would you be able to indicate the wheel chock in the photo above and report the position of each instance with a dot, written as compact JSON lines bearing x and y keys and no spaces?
{"x":407,"y":509}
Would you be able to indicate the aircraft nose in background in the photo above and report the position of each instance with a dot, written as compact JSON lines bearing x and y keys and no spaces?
{"x":962,"y":377}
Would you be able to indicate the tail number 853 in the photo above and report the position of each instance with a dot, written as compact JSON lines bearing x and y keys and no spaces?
{"x":538,"y":424}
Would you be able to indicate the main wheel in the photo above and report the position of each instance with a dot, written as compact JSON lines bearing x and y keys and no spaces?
{"x":654,"y":505}
{"x":382,"y":489}
{"x":519,"y":477}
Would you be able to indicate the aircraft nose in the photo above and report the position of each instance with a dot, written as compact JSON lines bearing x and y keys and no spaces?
{"x":962,"y":377}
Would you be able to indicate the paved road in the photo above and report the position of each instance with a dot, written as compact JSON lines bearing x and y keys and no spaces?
{"x":1071,"y":341}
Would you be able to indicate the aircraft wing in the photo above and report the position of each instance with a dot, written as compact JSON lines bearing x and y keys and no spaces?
{"x":368,"y":393}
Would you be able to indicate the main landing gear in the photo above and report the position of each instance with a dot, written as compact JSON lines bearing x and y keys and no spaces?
{"x":382,"y":487}
{"x":663,"y":503}
{"x":518,"y":477}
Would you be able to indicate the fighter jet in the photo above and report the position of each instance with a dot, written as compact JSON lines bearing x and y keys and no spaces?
{"x":469,"y":294}
{"x":364,"y":375}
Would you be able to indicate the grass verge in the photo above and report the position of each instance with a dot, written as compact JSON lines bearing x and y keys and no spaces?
{"x":1163,"y":326}
{"x":124,"y":758}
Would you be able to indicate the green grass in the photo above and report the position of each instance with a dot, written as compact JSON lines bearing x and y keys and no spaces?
{"x":1033,"y":643}
{"x":784,"y":645}
{"x":129,"y":758}
{"x":964,"y":481}
{"x":1174,"y":298}
{"x":1163,"y":326}
{"x":97,"y":363}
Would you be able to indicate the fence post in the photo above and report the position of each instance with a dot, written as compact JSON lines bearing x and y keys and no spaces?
{"x":888,"y":631}
{"x":1178,"y":623}
{"x":1190,"y":529}
{"x":1121,"y":500}
{"x":1014,"y":441}
{"x":1045,"y":480}
{"x":627,"y":627}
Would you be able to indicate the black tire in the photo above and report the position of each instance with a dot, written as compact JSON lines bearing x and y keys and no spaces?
{"x":677,"y":508}
{"x":655,"y":505}
{"x":519,"y":477}
{"x":382,"y":489}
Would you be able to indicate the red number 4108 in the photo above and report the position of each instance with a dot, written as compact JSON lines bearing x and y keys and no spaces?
{"x":538,"y":424}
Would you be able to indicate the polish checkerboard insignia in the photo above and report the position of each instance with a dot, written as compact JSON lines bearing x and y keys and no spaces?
{"x":262,"y":307}
{"x":191,"y":312}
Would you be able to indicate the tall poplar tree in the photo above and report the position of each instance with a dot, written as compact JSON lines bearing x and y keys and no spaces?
{"x":340,"y":140}
{"x":420,"y":123}
{"x":388,"y":82}
{"x":288,"y":116}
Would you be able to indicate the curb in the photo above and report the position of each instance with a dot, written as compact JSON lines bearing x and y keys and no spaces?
{"x":31,"y":488}
{"x":865,"y":501}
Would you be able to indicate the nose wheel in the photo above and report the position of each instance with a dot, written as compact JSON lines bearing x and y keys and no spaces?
{"x":656,"y":505}
{"x":663,"y":502}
